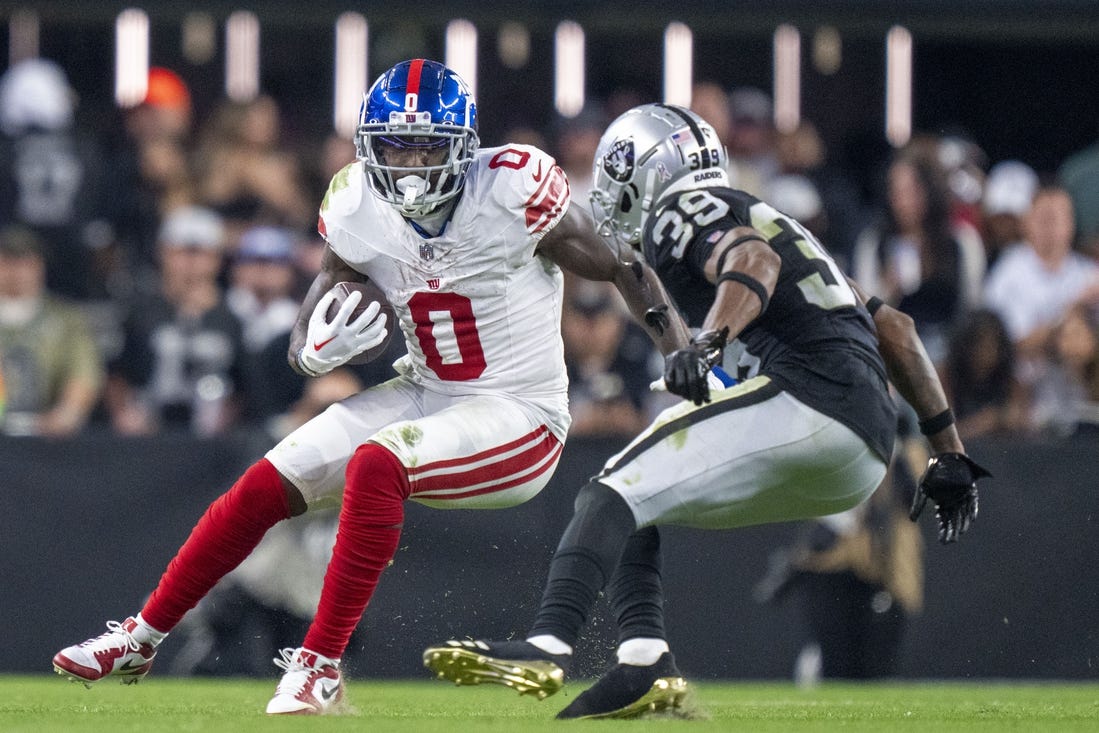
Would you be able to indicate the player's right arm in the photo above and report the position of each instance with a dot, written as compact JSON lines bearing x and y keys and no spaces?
{"x":333,"y":270}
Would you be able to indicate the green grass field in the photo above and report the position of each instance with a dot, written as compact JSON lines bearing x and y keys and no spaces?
{"x":42,"y":704}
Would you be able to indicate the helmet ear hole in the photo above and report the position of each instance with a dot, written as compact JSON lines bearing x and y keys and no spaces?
{"x":626,"y":203}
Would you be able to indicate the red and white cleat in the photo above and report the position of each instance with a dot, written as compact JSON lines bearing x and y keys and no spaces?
{"x":113,"y":654}
{"x":311,"y":686}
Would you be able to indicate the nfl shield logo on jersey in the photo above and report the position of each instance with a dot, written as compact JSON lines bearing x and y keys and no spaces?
{"x":427,"y":252}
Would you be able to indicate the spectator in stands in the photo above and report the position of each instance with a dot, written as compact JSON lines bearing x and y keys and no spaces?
{"x":262,"y":278}
{"x":1034,"y":283}
{"x":802,"y":152}
{"x":1079,"y":175}
{"x":910,"y":257}
{"x":51,"y":175}
{"x":1067,"y":391}
{"x":797,"y":196}
{"x":245,"y":172}
{"x":753,"y":161}
{"x":50,"y":364}
{"x":979,"y":376}
{"x":330,"y":156}
{"x":263,"y":295}
{"x":963,"y":163}
{"x":742,"y":121}
{"x":150,"y":176}
{"x":576,"y":140}
{"x":182,"y":362}
{"x":608,"y":361}
{"x":1008,"y":192}
{"x":711,"y":102}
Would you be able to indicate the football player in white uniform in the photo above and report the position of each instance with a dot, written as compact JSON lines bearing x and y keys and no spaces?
{"x":807,"y":432}
{"x":467,"y":246}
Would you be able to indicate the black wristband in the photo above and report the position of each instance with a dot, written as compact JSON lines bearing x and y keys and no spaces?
{"x":874,"y":304}
{"x":932,"y":425}
{"x":751,"y":283}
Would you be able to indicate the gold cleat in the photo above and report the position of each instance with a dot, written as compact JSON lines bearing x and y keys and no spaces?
{"x":627,"y":691}
{"x":666,"y":695}
{"x":471,"y":663}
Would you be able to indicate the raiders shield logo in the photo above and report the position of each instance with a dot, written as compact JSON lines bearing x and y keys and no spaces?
{"x":618,"y":162}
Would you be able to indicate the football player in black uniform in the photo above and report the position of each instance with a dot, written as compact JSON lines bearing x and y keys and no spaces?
{"x":807,"y":430}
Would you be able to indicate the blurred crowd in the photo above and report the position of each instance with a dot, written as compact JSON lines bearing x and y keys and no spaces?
{"x":149,"y":279}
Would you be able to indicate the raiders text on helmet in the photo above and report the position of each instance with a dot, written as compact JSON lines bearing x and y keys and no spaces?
{"x":421,"y":105}
{"x":648,"y":152}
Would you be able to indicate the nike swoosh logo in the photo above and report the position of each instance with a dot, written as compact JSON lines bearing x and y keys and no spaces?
{"x":129,"y":666}
{"x":327,"y":693}
{"x":322,"y":344}
{"x":538,"y":176}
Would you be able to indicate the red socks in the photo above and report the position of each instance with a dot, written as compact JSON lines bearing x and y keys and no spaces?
{"x":226,"y":534}
{"x":370,"y":528}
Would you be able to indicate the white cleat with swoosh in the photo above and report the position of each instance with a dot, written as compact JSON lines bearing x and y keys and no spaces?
{"x":312,"y":684}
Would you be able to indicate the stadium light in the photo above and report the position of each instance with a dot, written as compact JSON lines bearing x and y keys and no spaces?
{"x":199,"y":37}
{"x":352,"y":34}
{"x":513,"y":45}
{"x":568,"y":76}
{"x":131,"y":59}
{"x":23,"y":30}
{"x":898,"y":86}
{"x":242,"y":56}
{"x":461,"y":51}
{"x":787,"y":91}
{"x":678,"y":64}
{"x":827,"y":50}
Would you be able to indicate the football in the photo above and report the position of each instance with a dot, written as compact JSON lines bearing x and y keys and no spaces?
{"x":371,"y":293}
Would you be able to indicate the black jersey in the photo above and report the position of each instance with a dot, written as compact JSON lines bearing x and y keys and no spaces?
{"x":815,"y":340}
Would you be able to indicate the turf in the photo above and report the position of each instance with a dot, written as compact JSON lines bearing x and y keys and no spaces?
{"x":42,"y":704}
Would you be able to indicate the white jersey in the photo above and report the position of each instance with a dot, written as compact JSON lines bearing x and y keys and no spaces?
{"x":479,"y":311}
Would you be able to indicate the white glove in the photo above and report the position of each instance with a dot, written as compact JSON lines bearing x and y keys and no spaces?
{"x":328,"y":345}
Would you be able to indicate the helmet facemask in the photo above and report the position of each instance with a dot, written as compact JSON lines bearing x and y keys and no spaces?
{"x":416,"y":190}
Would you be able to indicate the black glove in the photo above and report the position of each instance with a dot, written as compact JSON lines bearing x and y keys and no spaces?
{"x":951,"y":482}
{"x":685,"y":370}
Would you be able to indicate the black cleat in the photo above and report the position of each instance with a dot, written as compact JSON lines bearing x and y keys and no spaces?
{"x":516,"y":664}
{"x":629,"y":691}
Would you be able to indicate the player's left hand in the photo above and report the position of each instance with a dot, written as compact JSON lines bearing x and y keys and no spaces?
{"x":951,"y":482}
{"x":686,"y":370}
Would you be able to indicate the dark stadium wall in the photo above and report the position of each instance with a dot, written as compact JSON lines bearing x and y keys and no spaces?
{"x":91,"y":523}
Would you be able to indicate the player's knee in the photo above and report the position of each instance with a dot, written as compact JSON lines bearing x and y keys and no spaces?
{"x":601,"y":524}
{"x":376,"y":481}
{"x":295,"y":500}
{"x":597,"y":498}
{"x":262,"y":491}
{"x":600,"y":507}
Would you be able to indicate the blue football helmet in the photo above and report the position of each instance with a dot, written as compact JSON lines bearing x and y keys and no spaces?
{"x":418,"y":105}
